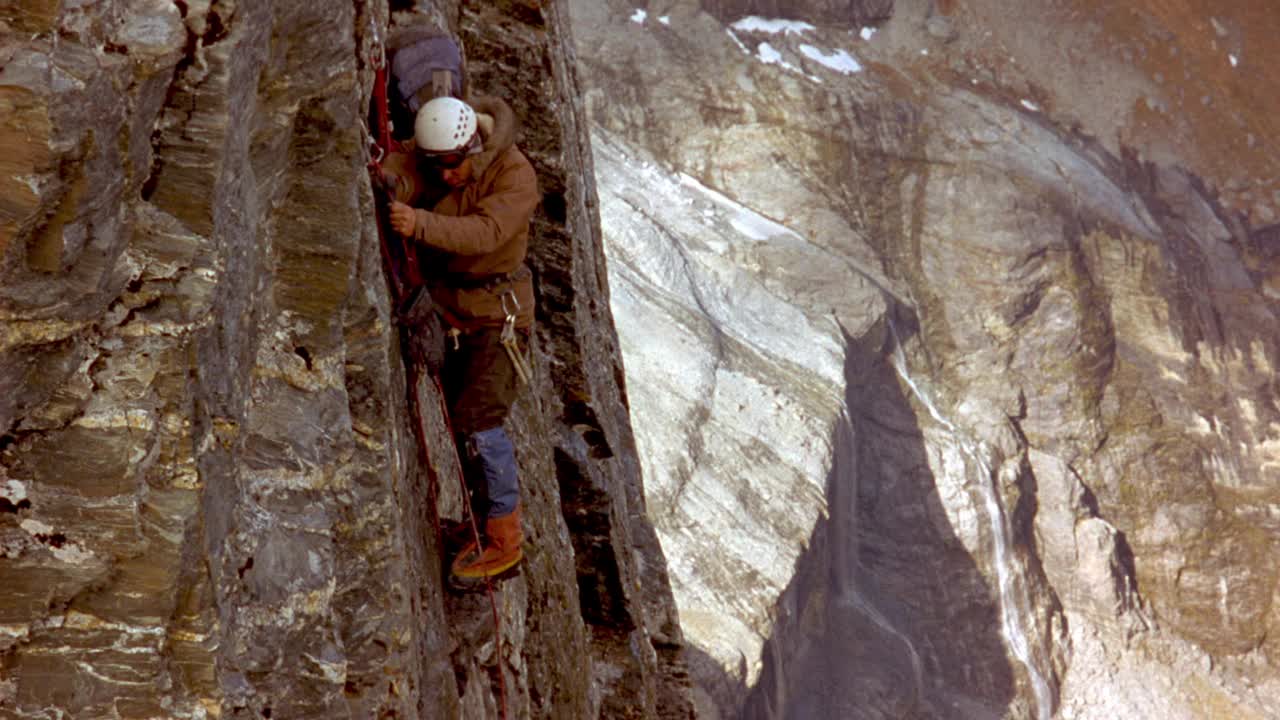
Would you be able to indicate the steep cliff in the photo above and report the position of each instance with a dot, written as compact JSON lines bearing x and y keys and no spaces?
{"x":211,"y":500}
{"x":951,"y":338}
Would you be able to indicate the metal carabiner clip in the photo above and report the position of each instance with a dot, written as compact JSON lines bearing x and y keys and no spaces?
{"x":380,"y":50}
{"x":510,"y":311}
{"x":508,"y":337}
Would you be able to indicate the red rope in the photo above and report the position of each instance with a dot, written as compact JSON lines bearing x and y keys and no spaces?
{"x":408,"y":274}
{"x":424,"y":457}
{"x":381,"y":141}
{"x":488,"y":582}
{"x":380,"y":101}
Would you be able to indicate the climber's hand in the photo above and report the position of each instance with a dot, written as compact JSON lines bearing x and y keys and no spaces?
{"x":403,"y":218}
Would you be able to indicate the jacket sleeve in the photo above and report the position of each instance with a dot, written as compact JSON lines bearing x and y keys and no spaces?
{"x":499,"y":216}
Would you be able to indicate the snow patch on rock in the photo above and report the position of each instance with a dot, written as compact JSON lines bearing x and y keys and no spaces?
{"x":839,"y":60}
{"x":754,"y":23}
{"x":13,"y":491}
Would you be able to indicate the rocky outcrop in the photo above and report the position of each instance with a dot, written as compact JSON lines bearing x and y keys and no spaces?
{"x":212,"y":503}
{"x":581,"y":414}
{"x":951,"y":350}
{"x":849,"y":13}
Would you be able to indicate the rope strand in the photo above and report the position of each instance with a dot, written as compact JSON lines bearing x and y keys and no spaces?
{"x":488,"y":582}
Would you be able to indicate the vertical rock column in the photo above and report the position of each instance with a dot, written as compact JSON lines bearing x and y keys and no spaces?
{"x":206,"y":475}
{"x":210,"y":497}
{"x":578,"y":408}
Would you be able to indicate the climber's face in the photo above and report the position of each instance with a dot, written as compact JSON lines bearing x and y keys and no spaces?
{"x":458,"y":175}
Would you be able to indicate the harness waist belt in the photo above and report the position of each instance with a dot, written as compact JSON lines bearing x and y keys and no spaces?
{"x":486,"y":281}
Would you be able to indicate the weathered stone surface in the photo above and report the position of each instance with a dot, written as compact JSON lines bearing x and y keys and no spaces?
{"x":212,"y":502}
{"x":1040,"y":470}
{"x":848,"y":13}
{"x":623,"y":593}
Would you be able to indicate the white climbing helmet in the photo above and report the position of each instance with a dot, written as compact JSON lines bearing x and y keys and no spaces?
{"x":444,"y":125}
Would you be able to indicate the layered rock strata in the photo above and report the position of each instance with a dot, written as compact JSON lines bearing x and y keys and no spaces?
{"x":951,"y":344}
{"x":211,"y":499}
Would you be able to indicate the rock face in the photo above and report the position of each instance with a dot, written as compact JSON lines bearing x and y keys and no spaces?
{"x":850,"y":13}
{"x":211,"y":499}
{"x":951,"y":344}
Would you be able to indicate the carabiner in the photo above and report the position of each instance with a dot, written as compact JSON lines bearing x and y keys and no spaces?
{"x":510,"y":312}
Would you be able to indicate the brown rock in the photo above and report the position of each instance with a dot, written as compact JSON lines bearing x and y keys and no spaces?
{"x":213,"y":501}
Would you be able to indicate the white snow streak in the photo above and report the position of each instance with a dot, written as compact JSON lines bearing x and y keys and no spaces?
{"x":738,"y":41}
{"x":743,"y":219}
{"x":665,"y":19}
{"x":772,"y":26}
{"x":1015,"y":603}
{"x":1030,"y":106}
{"x":768,"y":55}
{"x":639,"y":16}
{"x":30,"y":181}
{"x":755,"y":226}
{"x":1224,"y":593}
{"x":840,"y":60}
{"x":867,"y":33}
{"x":1235,"y":61}
{"x":13,"y":491}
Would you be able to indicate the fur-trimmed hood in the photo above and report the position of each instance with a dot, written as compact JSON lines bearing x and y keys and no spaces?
{"x":497,"y":125}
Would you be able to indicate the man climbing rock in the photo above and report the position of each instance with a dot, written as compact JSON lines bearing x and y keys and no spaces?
{"x":466,"y":193}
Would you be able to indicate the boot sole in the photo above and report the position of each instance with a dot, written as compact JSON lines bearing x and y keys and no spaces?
{"x":467,"y":583}
{"x":478,"y":584}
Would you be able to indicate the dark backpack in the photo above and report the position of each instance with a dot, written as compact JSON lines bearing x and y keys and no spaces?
{"x":424,"y":63}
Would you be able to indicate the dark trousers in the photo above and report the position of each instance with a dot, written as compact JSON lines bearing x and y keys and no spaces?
{"x":480,"y":384}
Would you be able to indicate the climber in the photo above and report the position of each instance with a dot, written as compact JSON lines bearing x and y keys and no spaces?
{"x":466,"y":194}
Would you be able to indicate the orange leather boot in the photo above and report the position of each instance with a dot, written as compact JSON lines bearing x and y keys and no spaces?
{"x":500,"y":553}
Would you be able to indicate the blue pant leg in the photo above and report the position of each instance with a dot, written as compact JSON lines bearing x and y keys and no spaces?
{"x":497,"y":459}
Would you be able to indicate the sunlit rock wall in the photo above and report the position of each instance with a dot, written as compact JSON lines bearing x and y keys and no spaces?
{"x":211,"y":500}
{"x":1028,"y":255}
{"x":201,"y":465}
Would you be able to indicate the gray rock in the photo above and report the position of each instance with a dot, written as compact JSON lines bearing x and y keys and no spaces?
{"x":941,"y":27}
{"x":848,"y":13}
{"x":212,"y":498}
{"x":1038,"y":471}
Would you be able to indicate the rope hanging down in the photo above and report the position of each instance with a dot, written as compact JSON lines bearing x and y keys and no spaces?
{"x":400,"y":256}
{"x":406,"y":279}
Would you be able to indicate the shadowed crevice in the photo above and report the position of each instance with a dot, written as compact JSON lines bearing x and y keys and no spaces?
{"x":887,"y":617}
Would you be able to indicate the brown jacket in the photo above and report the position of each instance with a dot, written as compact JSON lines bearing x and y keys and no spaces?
{"x":482,"y":229}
